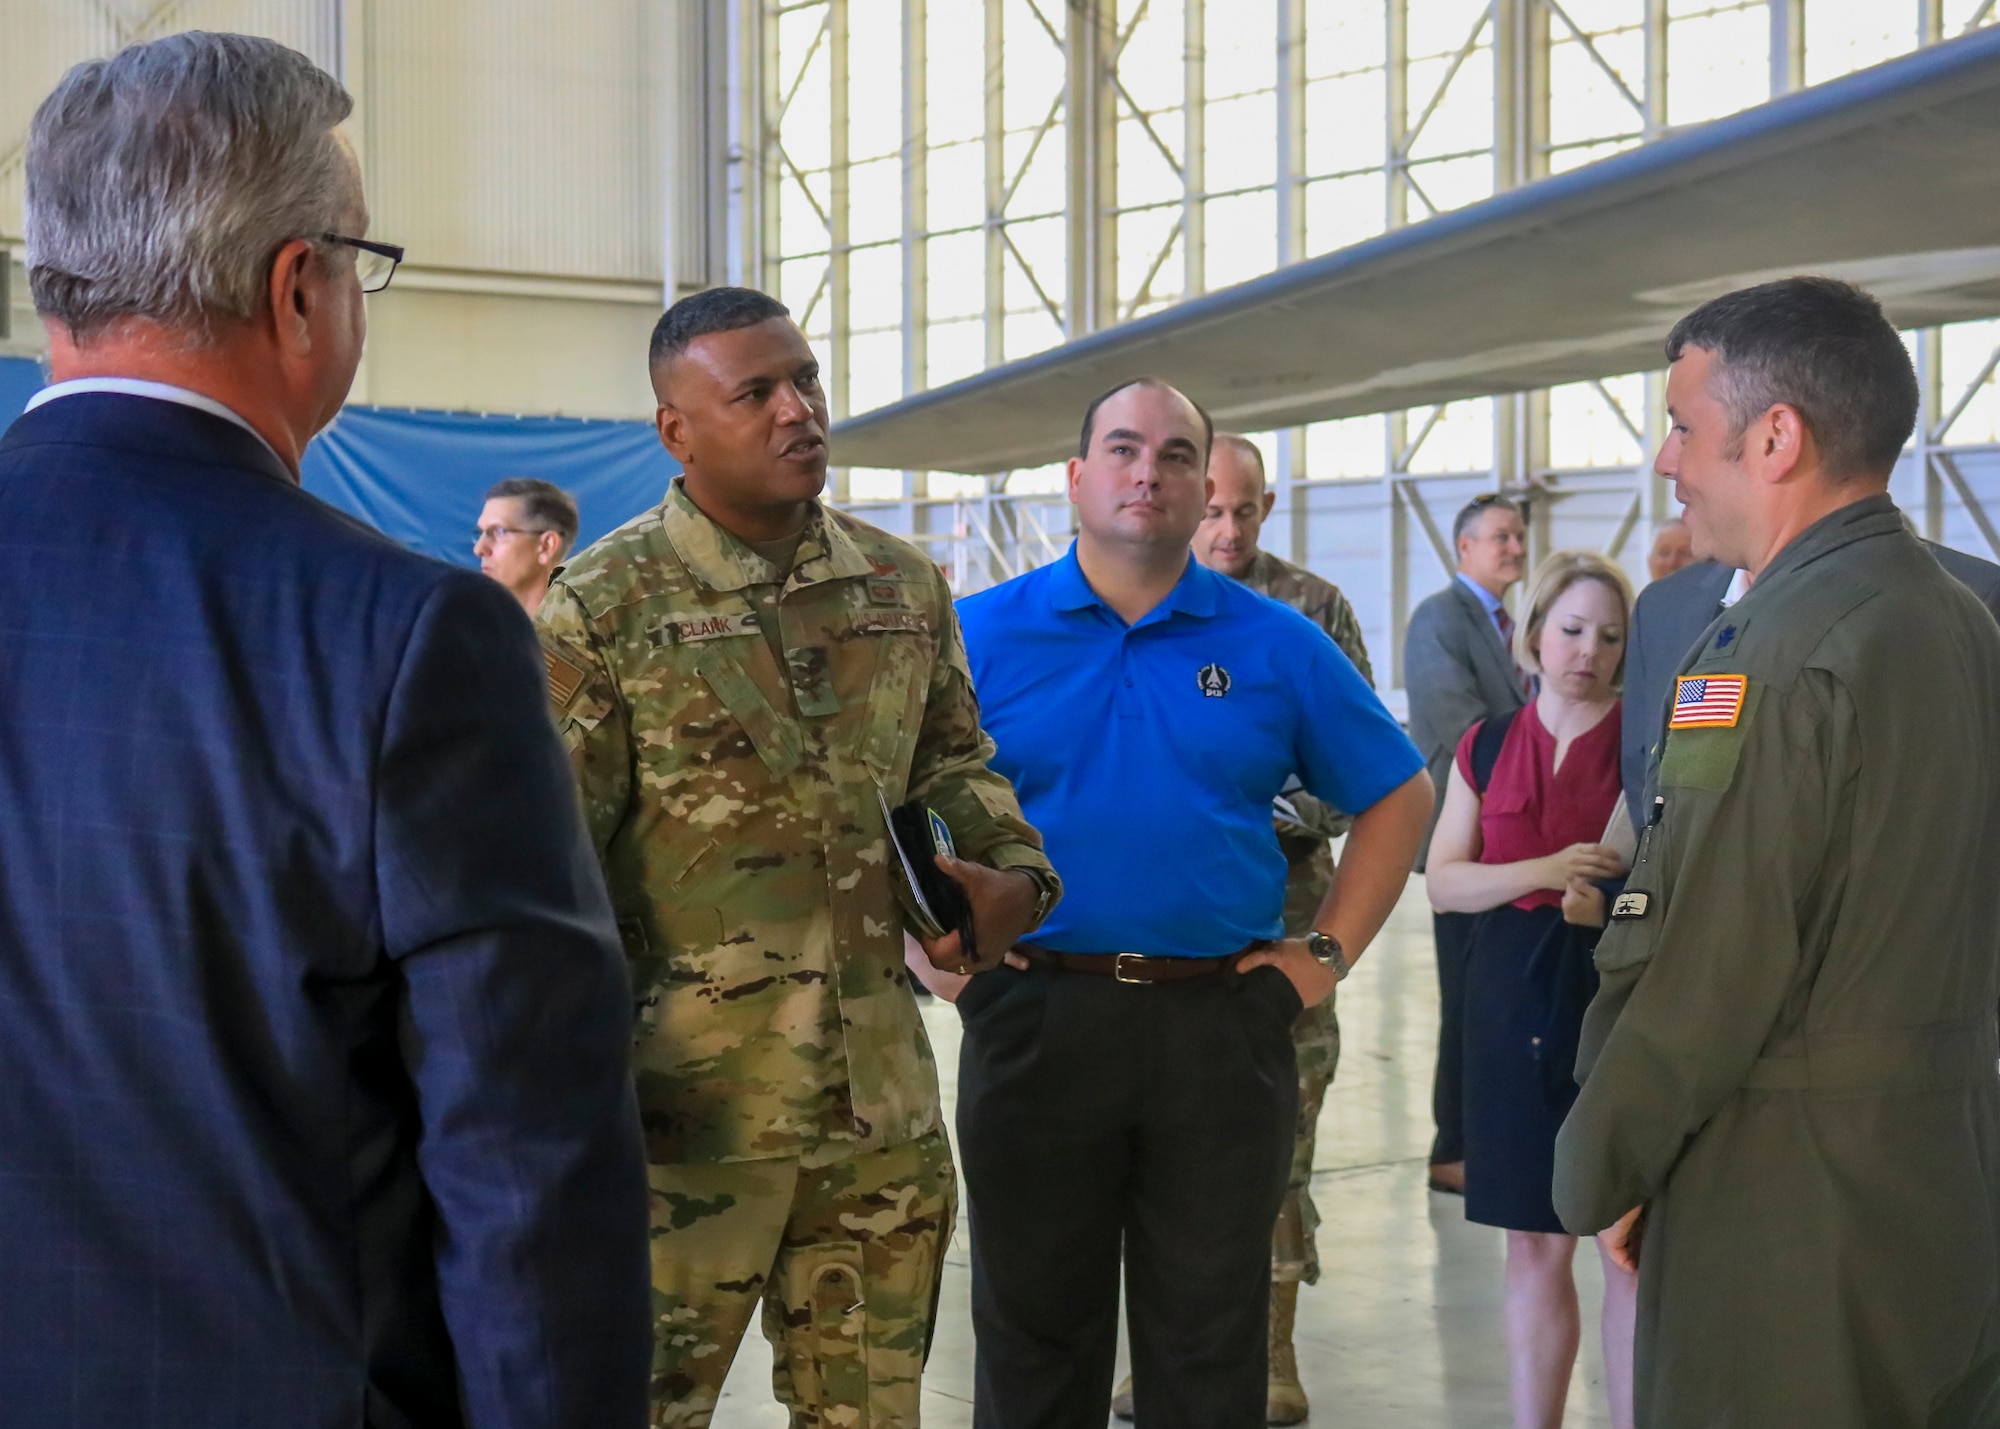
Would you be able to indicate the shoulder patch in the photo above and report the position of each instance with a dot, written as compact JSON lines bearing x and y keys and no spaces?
{"x":565,"y":679}
{"x":1708,"y":701}
{"x":1704,"y":755}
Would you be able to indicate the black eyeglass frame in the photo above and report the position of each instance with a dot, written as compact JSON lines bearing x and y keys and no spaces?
{"x":368,"y":245}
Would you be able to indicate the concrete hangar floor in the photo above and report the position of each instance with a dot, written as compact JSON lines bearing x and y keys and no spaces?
{"x":1403,"y":1331}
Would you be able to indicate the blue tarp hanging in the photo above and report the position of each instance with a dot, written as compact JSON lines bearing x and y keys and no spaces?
{"x":20,"y":379}
{"x":420,"y":477}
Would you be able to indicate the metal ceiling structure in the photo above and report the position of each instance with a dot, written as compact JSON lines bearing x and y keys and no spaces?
{"x":1889,"y":176}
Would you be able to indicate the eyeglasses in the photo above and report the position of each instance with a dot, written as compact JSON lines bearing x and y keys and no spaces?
{"x":483,"y":534}
{"x":374,"y":263}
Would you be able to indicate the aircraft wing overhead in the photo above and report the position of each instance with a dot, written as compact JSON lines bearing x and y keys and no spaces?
{"x":1889,"y":177}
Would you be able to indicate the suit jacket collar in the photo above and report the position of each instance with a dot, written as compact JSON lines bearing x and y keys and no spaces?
{"x":721,"y":562}
{"x":1491,"y":649}
{"x":145,"y":427}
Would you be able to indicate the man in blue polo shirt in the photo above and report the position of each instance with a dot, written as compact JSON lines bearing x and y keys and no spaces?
{"x":1127,"y":1081}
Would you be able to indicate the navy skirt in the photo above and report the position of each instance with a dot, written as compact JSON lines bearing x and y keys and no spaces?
{"x":1528,"y":979}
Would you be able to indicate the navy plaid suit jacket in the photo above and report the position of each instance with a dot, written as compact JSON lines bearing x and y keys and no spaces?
{"x":315,"y":1106}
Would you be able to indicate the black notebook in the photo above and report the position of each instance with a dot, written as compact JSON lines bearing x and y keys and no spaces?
{"x":932,"y":902}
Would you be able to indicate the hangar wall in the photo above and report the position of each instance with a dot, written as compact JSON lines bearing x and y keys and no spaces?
{"x":515,"y":147}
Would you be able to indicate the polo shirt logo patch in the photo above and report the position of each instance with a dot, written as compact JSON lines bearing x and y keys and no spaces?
{"x":1214,"y":681}
{"x":676,"y":630}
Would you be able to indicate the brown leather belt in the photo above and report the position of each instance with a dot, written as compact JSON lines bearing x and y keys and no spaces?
{"x":1131,"y":967}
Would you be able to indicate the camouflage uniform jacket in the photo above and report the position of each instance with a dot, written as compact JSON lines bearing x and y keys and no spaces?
{"x":733,"y":804}
{"x":1322,"y":603}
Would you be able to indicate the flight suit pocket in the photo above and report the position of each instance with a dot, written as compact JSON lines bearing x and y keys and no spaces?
{"x":776,"y":740}
{"x":1705,"y":758}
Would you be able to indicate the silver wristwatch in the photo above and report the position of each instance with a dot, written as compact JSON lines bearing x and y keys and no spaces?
{"x":1328,"y":953}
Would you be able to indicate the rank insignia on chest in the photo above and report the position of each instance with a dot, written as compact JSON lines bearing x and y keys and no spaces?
{"x":690,"y":629}
{"x":1214,"y":681}
{"x":1631,"y":905}
{"x":1708,"y":701}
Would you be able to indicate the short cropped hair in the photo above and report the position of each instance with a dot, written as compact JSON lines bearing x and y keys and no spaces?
{"x":162,"y":181}
{"x":710,"y":311}
{"x":1557,"y":573}
{"x":1818,"y":345}
{"x":1473,"y":510}
{"x":1235,"y":441}
{"x":542,"y":502}
{"x":1158,"y":385}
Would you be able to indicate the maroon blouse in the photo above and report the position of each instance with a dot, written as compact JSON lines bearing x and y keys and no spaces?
{"x":1530,"y":808}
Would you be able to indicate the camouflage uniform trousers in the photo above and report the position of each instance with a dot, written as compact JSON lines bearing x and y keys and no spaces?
{"x":1316,"y":1037}
{"x":846,"y":1258}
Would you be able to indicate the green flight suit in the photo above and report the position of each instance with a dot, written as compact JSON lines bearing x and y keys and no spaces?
{"x":1791,"y":1058}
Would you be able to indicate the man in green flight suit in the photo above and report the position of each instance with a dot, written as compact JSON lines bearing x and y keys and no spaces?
{"x":1227,"y":542}
{"x":1790,"y":1113}
{"x":737,"y":673}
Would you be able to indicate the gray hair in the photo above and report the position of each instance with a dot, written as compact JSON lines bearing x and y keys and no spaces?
{"x":542,"y":502}
{"x":161,"y":182}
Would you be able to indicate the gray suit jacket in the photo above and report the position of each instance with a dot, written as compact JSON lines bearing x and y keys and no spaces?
{"x":1982,"y":578}
{"x":1457,"y":673}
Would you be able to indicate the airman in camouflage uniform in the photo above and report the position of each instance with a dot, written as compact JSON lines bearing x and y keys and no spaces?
{"x":1316,"y":1035}
{"x":1227,"y":542}
{"x":730,"y":720}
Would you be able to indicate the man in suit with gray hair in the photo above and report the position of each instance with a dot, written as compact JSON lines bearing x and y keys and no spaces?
{"x":314,"y":1019}
{"x":1458,"y":666}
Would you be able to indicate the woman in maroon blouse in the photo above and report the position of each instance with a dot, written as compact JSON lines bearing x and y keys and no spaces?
{"x":1520,"y":844}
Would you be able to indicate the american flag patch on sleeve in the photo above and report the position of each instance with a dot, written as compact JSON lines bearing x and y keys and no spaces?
{"x":1708,"y":701}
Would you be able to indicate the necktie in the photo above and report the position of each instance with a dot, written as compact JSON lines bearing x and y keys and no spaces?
{"x":1505,"y":624}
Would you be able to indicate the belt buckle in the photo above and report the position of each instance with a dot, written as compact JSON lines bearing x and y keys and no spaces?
{"x":1118,"y":969}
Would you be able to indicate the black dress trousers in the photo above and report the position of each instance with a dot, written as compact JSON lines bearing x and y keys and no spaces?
{"x":1098,"y":1118}
{"x":1453,"y":932}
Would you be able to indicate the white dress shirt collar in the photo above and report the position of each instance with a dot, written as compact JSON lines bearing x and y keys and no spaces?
{"x":158,"y":391}
{"x":1739,"y":586}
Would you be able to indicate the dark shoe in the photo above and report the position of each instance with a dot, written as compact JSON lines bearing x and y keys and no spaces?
{"x":1121,"y":1399}
{"x":1448,"y":1177}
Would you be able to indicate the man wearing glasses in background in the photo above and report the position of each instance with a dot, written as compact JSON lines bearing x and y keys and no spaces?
{"x":525,"y":529}
{"x":1458,"y":666}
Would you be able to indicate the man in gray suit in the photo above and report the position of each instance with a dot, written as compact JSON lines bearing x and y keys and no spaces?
{"x":1669,"y":619}
{"x":1458,"y":666}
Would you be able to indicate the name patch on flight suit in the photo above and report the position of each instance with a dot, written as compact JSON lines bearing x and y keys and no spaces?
{"x":1703,"y":746}
{"x":692,"y":629}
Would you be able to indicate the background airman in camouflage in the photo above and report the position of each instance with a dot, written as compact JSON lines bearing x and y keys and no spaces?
{"x":1227,"y":542}
{"x":736,"y":673}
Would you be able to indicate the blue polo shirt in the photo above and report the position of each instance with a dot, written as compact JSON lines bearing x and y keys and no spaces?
{"x":1148,"y":754}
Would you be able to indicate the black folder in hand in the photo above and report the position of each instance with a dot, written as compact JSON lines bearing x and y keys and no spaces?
{"x":932,"y":902}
